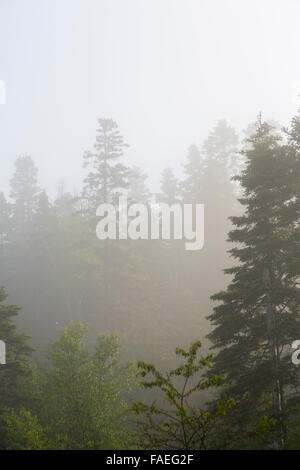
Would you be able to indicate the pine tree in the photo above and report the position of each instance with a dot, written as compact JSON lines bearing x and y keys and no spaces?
{"x":170,"y":191}
{"x":105,"y":182}
{"x":294,"y":134}
{"x":207,"y":181}
{"x":17,"y":368}
{"x":257,"y":317}
{"x":107,"y":177}
{"x":221,"y":163}
{"x":192,"y":185}
{"x":24,"y":191}
{"x":219,"y":197}
{"x":138,"y":191}
{"x":220,"y":148}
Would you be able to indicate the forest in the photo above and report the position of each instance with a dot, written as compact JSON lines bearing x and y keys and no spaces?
{"x":141,"y":344}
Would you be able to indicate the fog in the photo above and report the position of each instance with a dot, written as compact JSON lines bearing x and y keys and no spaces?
{"x":166,"y":71}
{"x":149,"y":226}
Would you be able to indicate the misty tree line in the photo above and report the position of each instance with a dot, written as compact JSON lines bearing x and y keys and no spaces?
{"x":53,"y":264}
{"x":153,"y":296}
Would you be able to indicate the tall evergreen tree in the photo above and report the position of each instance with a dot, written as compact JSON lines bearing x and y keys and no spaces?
{"x":207,"y":181}
{"x":105,"y":182}
{"x":16,"y":369}
{"x":24,"y":191}
{"x":192,"y":185}
{"x":220,"y":148}
{"x":219,"y":197}
{"x":257,"y":317}
{"x":170,"y":190}
{"x":107,"y":177}
{"x":138,"y":191}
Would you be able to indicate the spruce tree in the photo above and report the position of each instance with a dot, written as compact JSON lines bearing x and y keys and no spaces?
{"x":107,"y":177}
{"x":192,"y":185}
{"x":207,"y":181}
{"x":138,"y":191}
{"x":170,"y":191}
{"x":219,"y":196}
{"x":16,"y":368}
{"x":24,"y":192}
{"x":106,"y":181}
{"x":257,"y":316}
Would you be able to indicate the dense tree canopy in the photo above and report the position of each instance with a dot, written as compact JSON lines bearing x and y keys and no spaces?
{"x":142,"y":298}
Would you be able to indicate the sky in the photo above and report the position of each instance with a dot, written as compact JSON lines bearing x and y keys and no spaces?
{"x":165,"y":70}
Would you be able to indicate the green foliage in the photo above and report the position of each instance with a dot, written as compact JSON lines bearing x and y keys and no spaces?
{"x":81,"y":394}
{"x":17,"y":367}
{"x":23,"y":431}
{"x":15,"y":373}
{"x":107,"y":176}
{"x":175,"y":422}
{"x":137,"y":289}
{"x":257,"y":316}
{"x":153,"y":294}
{"x":235,"y":431}
{"x":24,"y":191}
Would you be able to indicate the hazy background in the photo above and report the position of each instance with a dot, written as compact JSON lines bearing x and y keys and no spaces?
{"x":165,"y":70}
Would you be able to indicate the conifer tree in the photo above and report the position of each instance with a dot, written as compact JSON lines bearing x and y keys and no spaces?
{"x":170,"y":191}
{"x":24,"y":191}
{"x":16,"y":367}
{"x":257,"y":317}
{"x":107,"y":177}
{"x":138,"y":191}
{"x":192,"y":185}
{"x":105,"y":182}
{"x":207,"y":181}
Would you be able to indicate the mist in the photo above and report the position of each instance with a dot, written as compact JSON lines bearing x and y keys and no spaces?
{"x":165,"y":71}
{"x":149,"y":225}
